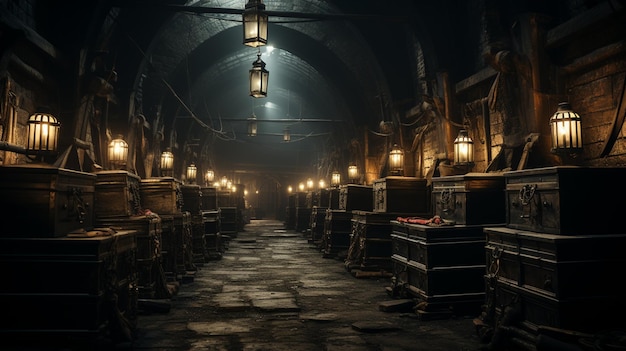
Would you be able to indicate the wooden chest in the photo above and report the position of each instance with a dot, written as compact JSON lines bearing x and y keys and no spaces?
{"x":66,"y":286}
{"x":333,"y":199}
{"x":323,"y":196}
{"x":117,"y":194}
{"x":149,"y":245}
{"x":177,"y":240}
{"x":225,"y":199}
{"x":192,"y":198}
{"x":558,"y":266}
{"x":43,"y":201}
{"x":442,"y":265}
{"x":566,"y":200}
{"x":356,"y":197}
{"x":401,"y":194}
{"x":162,"y":195}
{"x":209,"y":198}
{"x":473,"y":198}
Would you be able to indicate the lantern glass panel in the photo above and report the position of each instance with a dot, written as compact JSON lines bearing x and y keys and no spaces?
{"x":43,"y":133}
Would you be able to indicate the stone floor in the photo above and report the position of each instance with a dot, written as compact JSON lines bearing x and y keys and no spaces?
{"x":273,"y":290}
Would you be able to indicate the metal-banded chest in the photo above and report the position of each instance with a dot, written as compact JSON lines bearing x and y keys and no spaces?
{"x":565,"y":200}
{"x":45,"y":201}
{"x":401,"y":194}
{"x":473,"y":198}
{"x":162,"y":195}
{"x":355,"y":197}
{"x":192,"y":198}
{"x":117,"y":194}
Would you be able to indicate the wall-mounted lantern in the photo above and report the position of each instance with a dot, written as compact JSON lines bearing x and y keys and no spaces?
{"x":255,"y":24}
{"x":209,"y":177}
{"x":335,"y":179}
{"x":463,"y":149}
{"x":167,"y":164}
{"x":258,"y":78}
{"x":566,"y":130}
{"x":192,"y":172}
{"x":42,"y":133}
{"x":252,"y":125}
{"x":353,"y":173}
{"x":118,"y":152}
{"x":396,"y":160}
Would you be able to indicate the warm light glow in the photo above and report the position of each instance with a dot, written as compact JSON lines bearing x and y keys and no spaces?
{"x":286,"y":134}
{"x":322,"y":184}
{"x":335,"y":178}
{"x":301,"y":186}
{"x":224,"y":182}
{"x":258,"y":78}
{"x":396,"y":160}
{"x":192,"y":172}
{"x":463,"y":149}
{"x":254,"y":24}
{"x":229,"y":184}
{"x":290,"y":189}
{"x":252,"y":125}
{"x":566,"y":130}
{"x":309,"y":184}
{"x":209,"y":177}
{"x":353,"y":173}
{"x":118,"y":152}
{"x":167,"y":163}
{"x":233,"y":188}
{"x":245,"y":192}
{"x":43,"y":133}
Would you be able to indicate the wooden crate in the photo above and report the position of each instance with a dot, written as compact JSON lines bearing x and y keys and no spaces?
{"x":401,"y":194}
{"x":117,"y":194}
{"x":45,"y":201}
{"x":356,"y":197}
{"x":192,"y":198}
{"x":66,"y":287}
{"x":209,"y":198}
{"x":473,"y":198}
{"x":565,"y":200}
{"x":162,"y":195}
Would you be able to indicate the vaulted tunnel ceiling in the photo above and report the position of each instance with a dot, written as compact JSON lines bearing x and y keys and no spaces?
{"x":355,"y":65}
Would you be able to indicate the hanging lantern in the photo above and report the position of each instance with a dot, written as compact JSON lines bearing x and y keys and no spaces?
{"x":301,"y":186}
{"x":290,"y":189}
{"x":566,"y":130}
{"x":286,"y":135}
{"x":209,"y":176}
{"x":396,"y":160}
{"x":322,"y":184}
{"x":463,"y":149}
{"x":224,"y":182}
{"x":43,"y":133}
{"x":252,"y":125}
{"x":192,"y":172}
{"x":335,"y":178}
{"x":309,"y":184}
{"x":258,"y":78}
{"x":353,"y":173}
{"x":167,"y":164}
{"x":118,"y":152}
{"x":255,"y":24}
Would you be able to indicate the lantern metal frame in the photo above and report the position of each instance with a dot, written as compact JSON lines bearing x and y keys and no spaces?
{"x":353,"y":173}
{"x":335,"y":179}
{"x":118,"y":152}
{"x":463,"y":149}
{"x":252,"y":125}
{"x":192,"y":173}
{"x":259,"y":77}
{"x":167,"y":163}
{"x":255,"y":21}
{"x":396,"y":161}
{"x":566,"y":130}
{"x":42,"y":134}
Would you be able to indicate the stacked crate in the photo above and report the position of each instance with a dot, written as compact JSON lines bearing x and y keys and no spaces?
{"x":557,"y":261}
{"x":163,"y":196}
{"x":211,"y":219}
{"x":442,"y":263}
{"x":57,"y":266}
{"x":338,"y":219}
{"x":192,"y":203}
{"x":370,"y":240}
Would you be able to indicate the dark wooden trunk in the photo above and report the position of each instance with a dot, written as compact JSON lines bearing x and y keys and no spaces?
{"x":117,"y":194}
{"x":162,"y":195}
{"x":209,"y":198}
{"x":69,"y":288}
{"x":473,"y":198}
{"x":566,"y":200}
{"x":192,"y":198}
{"x":401,"y":194}
{"x":45,"y":201}
{"x":356,"y":197}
